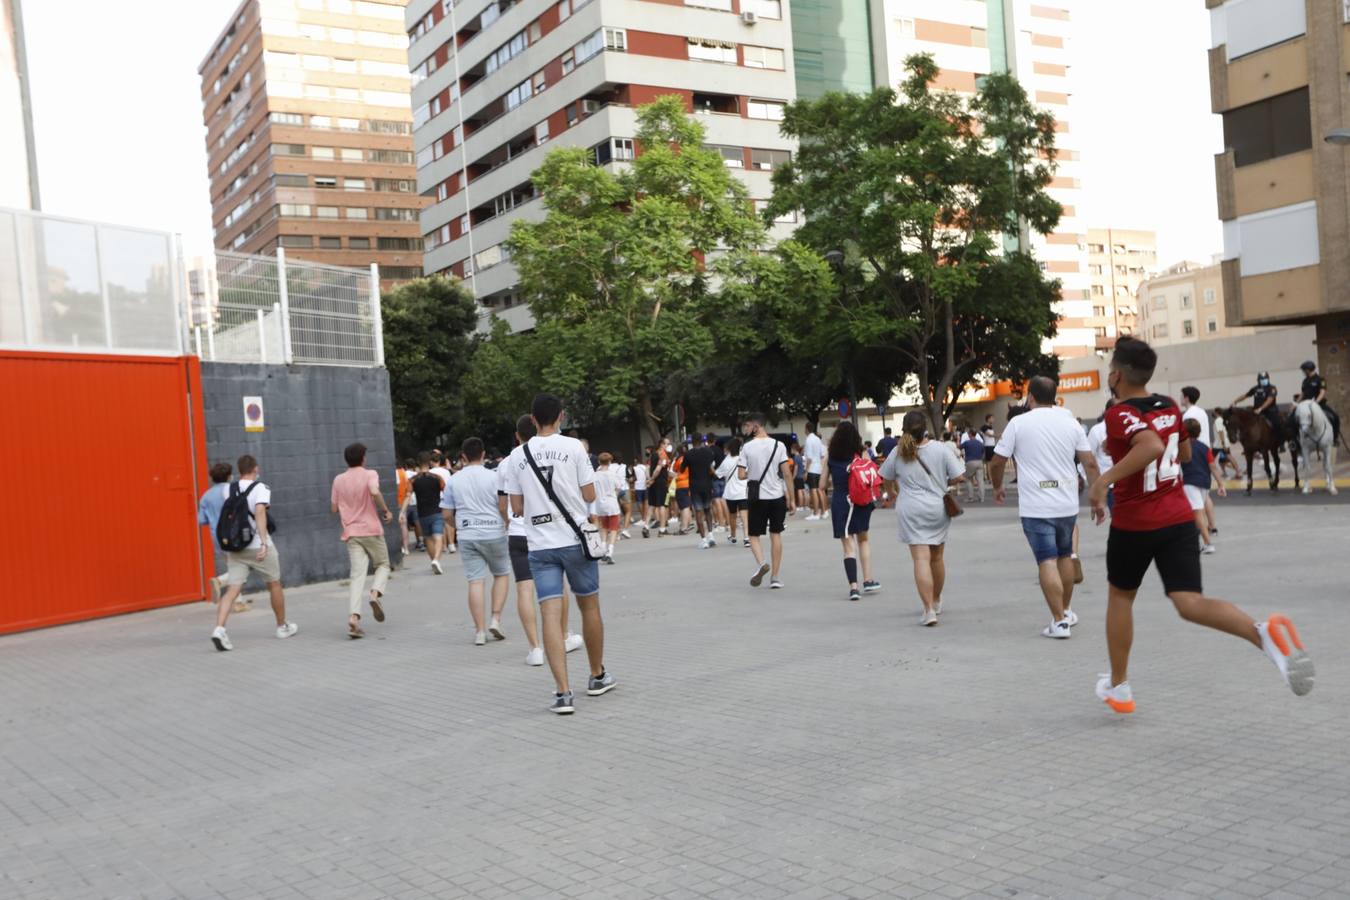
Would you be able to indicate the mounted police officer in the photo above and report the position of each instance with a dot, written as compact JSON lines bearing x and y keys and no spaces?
{"x":1315,"y":388}
{"x":1263,"y":396}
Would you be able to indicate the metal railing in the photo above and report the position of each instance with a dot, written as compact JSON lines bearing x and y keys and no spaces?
{"x":68,"y":284}
{"x":274,"y":310}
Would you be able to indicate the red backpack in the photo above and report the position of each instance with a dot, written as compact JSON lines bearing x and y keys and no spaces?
{"x":864,"y":482}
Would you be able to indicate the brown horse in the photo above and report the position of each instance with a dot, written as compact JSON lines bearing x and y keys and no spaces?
{"x":1253,"y":431}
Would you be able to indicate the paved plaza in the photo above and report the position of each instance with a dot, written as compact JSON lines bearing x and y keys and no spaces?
{"x":784,"y":744}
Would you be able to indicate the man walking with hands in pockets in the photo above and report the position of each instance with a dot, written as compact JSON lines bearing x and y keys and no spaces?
{"x":764,"y":466}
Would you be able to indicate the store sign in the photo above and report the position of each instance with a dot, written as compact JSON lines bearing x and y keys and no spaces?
{"x":1080,"y":382}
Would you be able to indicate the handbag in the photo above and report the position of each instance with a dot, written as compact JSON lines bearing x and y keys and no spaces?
{"x":592,"y":546}
{"x":752,"y":486}
{"x":949,"y":504}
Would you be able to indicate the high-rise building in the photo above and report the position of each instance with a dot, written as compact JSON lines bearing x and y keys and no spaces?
{"x":1278,"y":78}
{"x":1119,"y":260}
{"x":309,"y":134}
{"x":18,"y":156}
{"x":831,"y":47}
{"x":1030,"y":40}
{"x":497,"y":84}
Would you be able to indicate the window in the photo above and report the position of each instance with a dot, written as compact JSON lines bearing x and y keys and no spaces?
{"x":765,"y":109}
{"x":541,"y":132}
{"x":568,"y":62}
{"x":1273,"y":127}
{"x":1160,"y":330}
{"x":442,"y":191}
{"x":979,"y":37}
{"x":384,"y":126}
{"x":1096,"y":248}
{"x":284,"y":118}
{"x":564,"y":10}
{"x":388,"y":243}
{"x":499,"y":57}
{"x":387,"y":214}
{"x":323,"y":153}
{"x":767,"y":9}
{"x":351,"y":154}
{"x":330,"y":243}
{"x":1210,"y":298}
{"x":623,"y":148}
{"x":1094,"y":268}
{"x":1099,"y":330}
{"x":486,"y":259}
{"x":1160,"y":301}
{"x":294,"y":210}
{"x":285,"y":179}
{"x":766,"y":160}
{"x":353,"y":184}
{"x":1097,"y":290}
{"x":1188,"y":328}
{"x":906,"y":28}
{"x":518,"y":94}
{"x":326,"y":212}
{"x":540,"y":81}
{"x":1186,"y":300}
{"x":732,"y":157}
{"x":400,"y":272}
{"x":345,"y":66}
{"x":358,"y":243}
{"x":709,"y":50}
{"x":288,"y":149}
{"x":762,"y":57}
{"x":396,"y":185}
{"x":358,"y":212}
{"x":724,"y":5}
{"x":589,"y":47}
{"x":303,"y":241}
{"x":616,"y":39}
{"x":391,"y":157}
{"x":1212,"y":323}
{"x":1099,"y":311}
{"x":325,"y":181}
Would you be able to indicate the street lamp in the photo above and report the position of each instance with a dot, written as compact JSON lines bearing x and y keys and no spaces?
{"x":1340,"y":137}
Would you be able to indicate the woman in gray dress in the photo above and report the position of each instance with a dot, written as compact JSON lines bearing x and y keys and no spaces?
{"x":923,"y":519}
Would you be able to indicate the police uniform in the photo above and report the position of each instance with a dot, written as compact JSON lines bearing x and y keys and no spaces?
{"x":1313,"y":385}
{"x":1260,"y":393}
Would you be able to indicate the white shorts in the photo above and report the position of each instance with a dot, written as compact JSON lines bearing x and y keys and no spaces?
{"x":1196,"y":495}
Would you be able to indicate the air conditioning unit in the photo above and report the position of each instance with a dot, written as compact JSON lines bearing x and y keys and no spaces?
{"x":749,"y":17}
{"x":590,"y":106}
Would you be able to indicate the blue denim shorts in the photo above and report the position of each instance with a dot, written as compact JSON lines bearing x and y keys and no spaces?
{"x":548,"y":566}
{"x":433,"y":526}
{"x":1050,"y":538}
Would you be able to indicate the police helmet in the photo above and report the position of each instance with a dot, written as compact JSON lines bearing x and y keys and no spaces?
{"x":1308,"y":366}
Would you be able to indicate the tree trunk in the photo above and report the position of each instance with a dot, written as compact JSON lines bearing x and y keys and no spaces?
{"x":650,"y":422}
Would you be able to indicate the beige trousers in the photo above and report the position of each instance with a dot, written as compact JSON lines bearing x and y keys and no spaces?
{"x":364,"y":552}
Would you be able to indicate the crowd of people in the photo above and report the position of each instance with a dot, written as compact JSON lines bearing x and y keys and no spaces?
{"x":550,"y":513}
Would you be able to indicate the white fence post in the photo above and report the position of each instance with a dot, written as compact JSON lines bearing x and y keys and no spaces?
{"x":103,"y":289}
{"x":376,"y":314}
{"x":19,"y":226}
{"x":287,"y":355}
{"x":198,"y":331}
{"x":262,"y":337}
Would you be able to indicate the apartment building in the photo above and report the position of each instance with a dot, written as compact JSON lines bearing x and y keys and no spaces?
{"x":18,"y":156}
{"x":1278,"y":76}
{"x":1183,"y":304}
{"x":498,"y":83}
{"x":1032,"y":41}
{"x":832,"y":47}
{"x":309,"y":134}
{"x":1119,"y":260}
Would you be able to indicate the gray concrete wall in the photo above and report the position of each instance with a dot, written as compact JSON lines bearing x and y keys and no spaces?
{"x":310,"y":414}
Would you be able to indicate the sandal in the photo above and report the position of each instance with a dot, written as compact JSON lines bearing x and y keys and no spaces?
{"x":376,"y":609}
{"x":354,"y":631}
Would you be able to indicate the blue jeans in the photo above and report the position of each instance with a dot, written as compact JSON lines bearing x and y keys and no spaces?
{"x":549,"y":566}
{"x":1050,"y":539}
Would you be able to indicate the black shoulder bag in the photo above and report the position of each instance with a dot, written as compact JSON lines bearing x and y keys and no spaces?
{"x":752,"y":486}
{"x":591,"y":544}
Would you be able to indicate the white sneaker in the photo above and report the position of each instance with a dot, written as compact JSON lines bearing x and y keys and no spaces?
{"x":712,"y":541}
{"x":703,"y":544}
{"x":1281,"y":643}
{"x":1058,"y":630}
{"x":573,"y":642}
{"x":436,"y":567}
{"x":221,"y":639}
{"x":1120,"y":698}
{"x":1208,"y":550}
{"x":775,"y":585}
{"x":937,"y":608}
{"x":928,"y":617}
{"x":1071,"y":617}
{"x":285,"y":631}
{"x":480,"y":638}
{"x":535,"y":657}
{"x":625,"y":535}
{"x":495,"y":629}
{"x":813,"y":518}
{"x":454,"y":548}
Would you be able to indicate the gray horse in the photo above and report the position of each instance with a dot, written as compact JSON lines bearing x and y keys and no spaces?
{"x":1315,"y":435}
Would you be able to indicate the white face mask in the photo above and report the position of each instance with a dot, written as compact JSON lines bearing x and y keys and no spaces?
{"x":670,"y":448}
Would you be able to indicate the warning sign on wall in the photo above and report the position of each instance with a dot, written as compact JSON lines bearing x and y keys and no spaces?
{"x":253,"y":414}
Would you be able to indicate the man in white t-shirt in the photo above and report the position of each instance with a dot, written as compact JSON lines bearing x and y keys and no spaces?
{"x":1048,"y":444}
{"x":469,"y":504}
{"x":640,"y":492}
{"x":553,"y":519}
{"x":518,"y":547}
{"x":259,"y":556}
{"x":440,"y":467}
{"x":764,"y":464}
{"x":813,"y":451}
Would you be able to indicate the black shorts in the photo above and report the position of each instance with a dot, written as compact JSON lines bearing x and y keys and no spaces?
{"x":813,"y":480}
{"x":519,"y":549}
{"x":701,"y":498}
{"x":682,"y":497}
{"x":735,"y":506}
{"x":1174,"y":549}
{"x":988,"y":453}
{"x":767,"y":515}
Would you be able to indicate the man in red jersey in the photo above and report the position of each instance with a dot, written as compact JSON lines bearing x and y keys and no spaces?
{"x":1152,"y":524}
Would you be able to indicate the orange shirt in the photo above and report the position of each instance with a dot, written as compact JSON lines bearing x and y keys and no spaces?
{"x":681,"y":474}
{"x":402,"y":486}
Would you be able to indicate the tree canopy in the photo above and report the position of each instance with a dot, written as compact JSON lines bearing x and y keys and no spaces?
{"x":917,"y":190}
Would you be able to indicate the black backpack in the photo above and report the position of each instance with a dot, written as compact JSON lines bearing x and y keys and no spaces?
{"x":234,"y":531}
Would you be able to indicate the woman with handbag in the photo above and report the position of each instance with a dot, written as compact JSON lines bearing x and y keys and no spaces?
{"x":924,"y":470}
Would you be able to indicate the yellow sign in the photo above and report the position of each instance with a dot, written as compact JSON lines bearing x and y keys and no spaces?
{"x":1079,"y":382}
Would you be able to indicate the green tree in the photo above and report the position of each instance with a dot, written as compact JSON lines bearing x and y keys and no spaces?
{"x":429,"y":326}
{"x":638,"y":278}
{"x":917,"y":190}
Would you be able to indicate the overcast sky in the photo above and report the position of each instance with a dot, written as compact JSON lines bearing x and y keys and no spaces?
{"x":117,"y":107}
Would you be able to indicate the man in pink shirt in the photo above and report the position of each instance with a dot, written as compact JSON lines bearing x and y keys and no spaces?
{"x":356,"y":495}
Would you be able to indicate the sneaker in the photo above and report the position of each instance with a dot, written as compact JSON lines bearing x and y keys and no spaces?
{"x":535,"y":657}
{"x":929,"y":617}
{"x":1120,"y":698}
{"x":454,"y":548}
{"x":609,"y":560}
{"x":221,"y":639}
{"x":703,"y":544}
{"x":480,"y":638}
{"x":377,"y":609}
{"x":758,"y":578}
{"x":871,"y":587}
{"x":937,"y":608}
{"x":573,"y":642}
{"x":775,"y":585}
{"x":646,"y":532}
{"x":1208,"y":550}
{"x":1077,"y":570}
{"x":746,"y":543}
{"x":436,"y":567}
{"x":562,"y":704}
{"x":495,"y":629}
{"x":625,"y":535}
{"x":854,"y":595}
{"x":285,"y":631}
{"x":600,"y":684}
{"x":813,"y":518}
{"x":1058,"y":630}
{"x":1071,"y":617}
{"x":1281,"y":643}
{"x":712,"y":541}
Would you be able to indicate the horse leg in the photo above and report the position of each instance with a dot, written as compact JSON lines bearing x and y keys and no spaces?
{"x":1251,"y":459}
{"x":1294,"y":455}
{"x":1329,"y":461}
{"x":1272,"y":477}
{"x":1308,"y":454}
